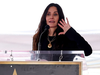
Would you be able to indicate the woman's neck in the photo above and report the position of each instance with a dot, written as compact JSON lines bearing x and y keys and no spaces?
{"x":51,"y":32}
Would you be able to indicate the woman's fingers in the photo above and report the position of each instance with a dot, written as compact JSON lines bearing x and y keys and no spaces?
{"x":63,"y":22}
{"x":67,"y":21}
{"x":60,"y":25}
{"x":61,"y":33}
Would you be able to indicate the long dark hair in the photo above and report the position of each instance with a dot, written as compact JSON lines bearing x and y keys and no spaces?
{"x":43,"y":23}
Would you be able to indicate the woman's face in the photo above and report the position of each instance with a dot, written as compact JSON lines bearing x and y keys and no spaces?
{"x":52,"y":17}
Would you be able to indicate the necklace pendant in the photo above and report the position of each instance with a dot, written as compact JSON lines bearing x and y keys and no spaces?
{"x":49,"y":45}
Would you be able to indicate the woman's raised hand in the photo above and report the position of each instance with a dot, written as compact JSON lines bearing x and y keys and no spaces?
{"x":65,"y":26}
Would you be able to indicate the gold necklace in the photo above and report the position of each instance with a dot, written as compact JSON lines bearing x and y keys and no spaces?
{"x":50,"y":45}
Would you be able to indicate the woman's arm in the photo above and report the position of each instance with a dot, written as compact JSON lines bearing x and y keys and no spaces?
{"x":74,"y":36}
{"x":81,"y":42}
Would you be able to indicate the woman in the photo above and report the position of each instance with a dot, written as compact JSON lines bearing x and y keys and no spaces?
{"x":60,"y":35}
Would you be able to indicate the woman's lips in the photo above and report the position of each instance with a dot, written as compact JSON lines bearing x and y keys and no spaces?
{"x":51,"y":21}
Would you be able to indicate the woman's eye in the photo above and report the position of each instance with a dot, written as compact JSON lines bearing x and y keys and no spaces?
{"x":51,"y":14}
{"x":55,"y":14}
{"x":48,"y":14}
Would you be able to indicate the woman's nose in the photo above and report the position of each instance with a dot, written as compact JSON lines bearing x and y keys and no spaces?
{"x":51,"y":16}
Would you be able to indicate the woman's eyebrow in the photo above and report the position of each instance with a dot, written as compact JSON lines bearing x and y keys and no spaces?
{"x":54,"y":11}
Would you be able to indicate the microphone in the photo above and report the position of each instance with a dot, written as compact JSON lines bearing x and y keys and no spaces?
{"x":47,"y":27}
{"x":39,"y":44}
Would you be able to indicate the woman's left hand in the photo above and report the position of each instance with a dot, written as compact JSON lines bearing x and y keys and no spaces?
{"x":65,"y":26}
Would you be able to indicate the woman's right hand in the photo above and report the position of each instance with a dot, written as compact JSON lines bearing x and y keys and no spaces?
{"x":65,"y":26}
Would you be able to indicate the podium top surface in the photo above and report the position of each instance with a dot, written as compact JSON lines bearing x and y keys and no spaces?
{"x":32,"y":55}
